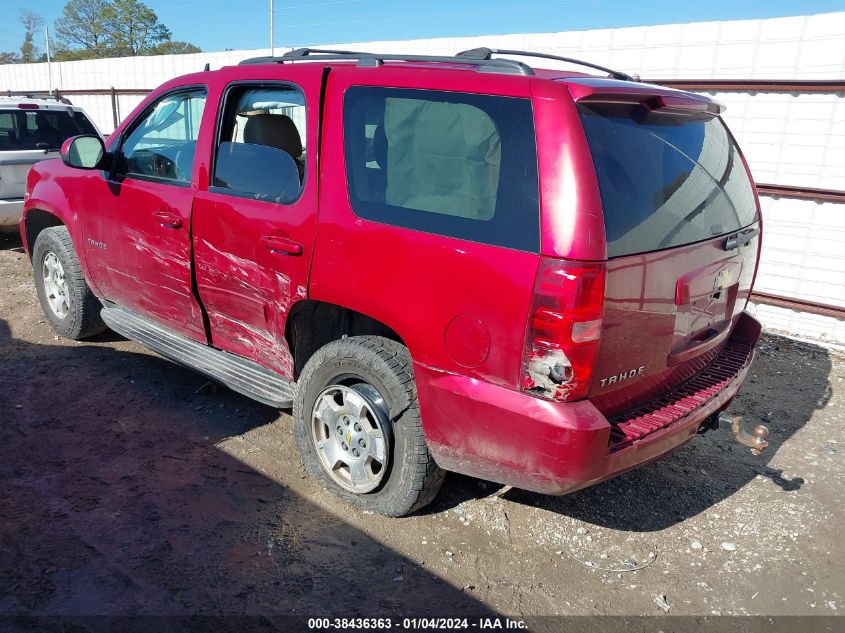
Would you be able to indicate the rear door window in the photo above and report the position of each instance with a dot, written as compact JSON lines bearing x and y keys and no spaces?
{"x":455,"y":164}
{"x":666,"y":179}
{"x":261,"y":150}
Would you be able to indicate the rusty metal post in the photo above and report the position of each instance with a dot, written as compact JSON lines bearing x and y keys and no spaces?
{"x":114,"y":114}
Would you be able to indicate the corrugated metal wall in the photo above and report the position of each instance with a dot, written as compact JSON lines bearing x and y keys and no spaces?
{"x":789,"y":139}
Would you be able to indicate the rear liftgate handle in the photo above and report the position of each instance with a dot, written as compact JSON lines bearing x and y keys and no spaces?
{"x":281,"y":245}
{"x":738,"y":240}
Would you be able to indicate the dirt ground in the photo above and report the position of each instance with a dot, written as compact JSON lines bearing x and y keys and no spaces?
{"x":129,"y":489}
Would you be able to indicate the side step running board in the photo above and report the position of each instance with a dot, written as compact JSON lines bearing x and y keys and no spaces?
{"x":237,"y":373}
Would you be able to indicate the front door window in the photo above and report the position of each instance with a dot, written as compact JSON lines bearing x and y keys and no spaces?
{"x":162,"y":146}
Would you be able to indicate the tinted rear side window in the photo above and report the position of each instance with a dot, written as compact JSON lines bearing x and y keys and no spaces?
{"x":37,"y":129}
{"x":448,"y":163}
{"x":665,"y":180}
{"x":83,"y":124}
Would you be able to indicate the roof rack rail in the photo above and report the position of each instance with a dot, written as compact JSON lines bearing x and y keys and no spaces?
{"x":507,"y":66}
{"x":487,"y":54}
{"x":305,"y":52}
{"x":55,"y":96}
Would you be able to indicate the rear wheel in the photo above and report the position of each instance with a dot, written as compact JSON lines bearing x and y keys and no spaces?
{"x":66,"y":300}
{"x":357,"y":426}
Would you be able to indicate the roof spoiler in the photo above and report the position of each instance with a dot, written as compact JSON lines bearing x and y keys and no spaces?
{"x":673,"y":105}
{"x":659,"y":104}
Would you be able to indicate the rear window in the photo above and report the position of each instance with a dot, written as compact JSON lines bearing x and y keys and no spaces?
{"x":454,"y":164}
{"x":666,"y":179}
{"x":40,"y":129}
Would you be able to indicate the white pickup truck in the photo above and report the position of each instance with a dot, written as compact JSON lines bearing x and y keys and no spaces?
{"x":32,"y":130}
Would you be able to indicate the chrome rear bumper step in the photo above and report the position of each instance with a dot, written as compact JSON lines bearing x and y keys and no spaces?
{"x":239,"y":374}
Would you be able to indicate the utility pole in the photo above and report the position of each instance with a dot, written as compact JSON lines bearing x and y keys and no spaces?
{"x":49,"y":60}
{"x":272,"y":29}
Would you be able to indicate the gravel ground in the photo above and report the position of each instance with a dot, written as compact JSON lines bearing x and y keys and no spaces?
{"x":128,"y":488}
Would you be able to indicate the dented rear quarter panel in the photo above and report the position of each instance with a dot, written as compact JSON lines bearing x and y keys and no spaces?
{"x":419,"y":283}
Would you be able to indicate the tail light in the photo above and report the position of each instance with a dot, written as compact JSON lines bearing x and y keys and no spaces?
{"x":564,"y":329}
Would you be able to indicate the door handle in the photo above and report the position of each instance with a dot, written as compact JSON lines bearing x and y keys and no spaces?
{"x":168,"y":219}
{"x":281,"y":245}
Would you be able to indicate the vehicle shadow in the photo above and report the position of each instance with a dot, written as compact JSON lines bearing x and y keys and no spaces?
{"x":786,"y":384}
{"x":10,"y":240}
{"x":122,"y":496}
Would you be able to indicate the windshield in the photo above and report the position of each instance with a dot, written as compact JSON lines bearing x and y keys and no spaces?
{"x":666,"y":179}
{"x":40,"y":129}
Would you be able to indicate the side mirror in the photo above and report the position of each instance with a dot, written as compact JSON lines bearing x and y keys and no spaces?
{"x":83,"y":152}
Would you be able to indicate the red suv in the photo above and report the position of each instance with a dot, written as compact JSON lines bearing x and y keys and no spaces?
{"x":531,"y":276}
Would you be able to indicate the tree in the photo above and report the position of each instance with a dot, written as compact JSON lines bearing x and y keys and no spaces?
{"x":134,"y":27}
{"x":109,"y":28}
{"x":81,"y":26}
{"x":9,"y":58}
{"x":32,"y":22}
{"x":175,"y":47}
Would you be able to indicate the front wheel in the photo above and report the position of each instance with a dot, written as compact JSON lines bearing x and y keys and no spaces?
{"x":357,"y":426}
{"x":66,"y":300}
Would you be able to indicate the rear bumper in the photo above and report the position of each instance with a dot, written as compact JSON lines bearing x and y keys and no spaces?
{"x":10,"y":211}
{"x":495,"y":433}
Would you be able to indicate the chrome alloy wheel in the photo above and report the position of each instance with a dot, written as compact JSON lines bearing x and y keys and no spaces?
{"x":55,"y":286}
{"x":348,"y":428}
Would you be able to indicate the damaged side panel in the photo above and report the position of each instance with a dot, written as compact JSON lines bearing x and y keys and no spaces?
{"x":247,"y":289}
{"x":246,"y":305}
{"x":252,"y":245}
{"x":142,"y":262}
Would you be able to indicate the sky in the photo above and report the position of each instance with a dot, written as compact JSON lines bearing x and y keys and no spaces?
{"x":216,"y":25}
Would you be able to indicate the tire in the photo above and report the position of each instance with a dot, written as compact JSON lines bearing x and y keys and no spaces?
{"x":72,"y":310}
{"x":377,"y":372}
